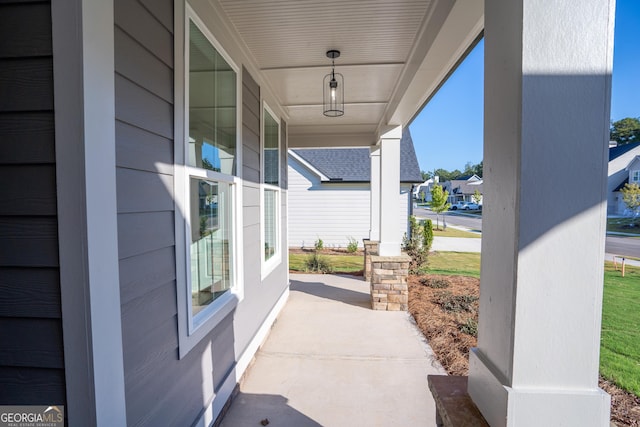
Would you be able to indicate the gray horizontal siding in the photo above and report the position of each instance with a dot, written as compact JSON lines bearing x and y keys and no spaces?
{"x":27,"y":137}
{"x":142,"y":25}
{"x":161,"y":388}
{"x":28,"y":190}
{"x":250,"y":128}
{"x":284,"y":177}
{"x":31,"y":342}
{"x":141,"y":108}
{"x":32,"y":386}
{"x":30,"y":292}
{"x":139,"y":233}
{"x":142,"y":67}
{"x":26,"y":84}
{"x":143,"y":274}
{"x":31,"y":354}
{"x":143,"y":191}
{"x":20,"y":40}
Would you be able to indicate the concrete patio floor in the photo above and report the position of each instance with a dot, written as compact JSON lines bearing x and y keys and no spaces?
{"x":332,"y":361}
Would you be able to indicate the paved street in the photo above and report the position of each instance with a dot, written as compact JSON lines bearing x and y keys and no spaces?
{"x":618,"y":245}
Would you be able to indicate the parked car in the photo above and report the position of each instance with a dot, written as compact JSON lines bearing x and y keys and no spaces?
{"x":465,"y":206}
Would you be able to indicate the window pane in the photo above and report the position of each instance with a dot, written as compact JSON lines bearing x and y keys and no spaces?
{"x":210,"y":240}
{"x":270,"y":149}
{"x":212,"y":106}
{"x":270,"y":223}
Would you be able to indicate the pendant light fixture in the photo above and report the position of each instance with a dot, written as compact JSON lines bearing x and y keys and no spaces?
{"x":333,"y":89}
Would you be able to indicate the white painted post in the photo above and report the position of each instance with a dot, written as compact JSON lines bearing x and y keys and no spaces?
{"x":389,"y":189}
{"x":83,"y":67}
{"x":547,"y":95}
{"x":374,"y":231}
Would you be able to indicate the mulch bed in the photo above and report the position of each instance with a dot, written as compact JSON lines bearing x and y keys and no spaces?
{"x":443,"y":315}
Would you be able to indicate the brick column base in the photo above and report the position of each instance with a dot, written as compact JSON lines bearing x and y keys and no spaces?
{"x":389,"y":288}
{"x":370,"y":248}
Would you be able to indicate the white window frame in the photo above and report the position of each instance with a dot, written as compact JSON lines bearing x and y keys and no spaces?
{"x":635,"y":175}
{"x":267,"y":266}
{"x":191,"y":330}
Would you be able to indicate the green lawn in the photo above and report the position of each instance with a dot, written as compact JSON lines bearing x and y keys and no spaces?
{"x":454,"y":232}
{"x":620,"y":342}
{"x":624,"y":225}
{"x":454,"y":263}
{"x":340,"y":263}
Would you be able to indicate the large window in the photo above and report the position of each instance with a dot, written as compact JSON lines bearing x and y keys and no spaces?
{"x":206,"y":196}
{"x":212,"y":106}
{"x":271,"y":190}
{"x":210,"y":239}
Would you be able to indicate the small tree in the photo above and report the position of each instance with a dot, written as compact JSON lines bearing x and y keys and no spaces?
{"x":438,"y":202}
{"x":422,"y":195}
{"x":477,"y":197}
{"x":631,"y":197}
{"x":418,"y":244}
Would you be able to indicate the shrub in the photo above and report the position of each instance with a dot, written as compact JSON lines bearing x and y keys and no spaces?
{"x":470,"y":327}
{"x":318,"y":245}
{"x":435,"y":282}
{"x":456,"y":303}
{"x":352,"y":246}
{"x":427,"y":234}
{"x":415,"y":247}
{"x":317,"y":263}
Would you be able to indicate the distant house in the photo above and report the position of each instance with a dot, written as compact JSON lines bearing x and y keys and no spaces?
{"x":425,"y":188}
{"x":624,"y":167}
{"x":329,"y":193}
{"x":463,"y":188}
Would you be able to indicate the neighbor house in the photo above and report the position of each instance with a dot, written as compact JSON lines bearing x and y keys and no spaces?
{"x":329,"y":193}
{"x":464,"y":188}
{"x":424,"y":189}
{"x":624,"y":167}
{"x":143,"y":206}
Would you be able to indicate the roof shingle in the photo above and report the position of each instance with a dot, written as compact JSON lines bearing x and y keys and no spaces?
{"x":353,"y":164}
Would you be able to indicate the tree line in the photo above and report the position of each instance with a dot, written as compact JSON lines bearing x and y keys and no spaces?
{"x":624,"y":131}
{"x":445,"y":175}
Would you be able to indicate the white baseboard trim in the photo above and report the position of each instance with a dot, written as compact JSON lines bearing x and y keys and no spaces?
{"x":216,"y":406}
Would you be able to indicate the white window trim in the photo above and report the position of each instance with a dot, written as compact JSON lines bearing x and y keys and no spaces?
{"x":633,"y":175}
{"x":267,"y":266}
{"x":192,"y":330}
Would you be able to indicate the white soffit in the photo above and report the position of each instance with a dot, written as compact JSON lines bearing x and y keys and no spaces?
{"x":384,"y":45}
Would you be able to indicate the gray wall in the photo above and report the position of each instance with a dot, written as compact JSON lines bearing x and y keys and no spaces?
{"x":260,"y":296}
{"x":155,"y":378}
{"x":31,"y":354}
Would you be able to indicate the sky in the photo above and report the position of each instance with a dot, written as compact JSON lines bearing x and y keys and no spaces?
{"x":447,"y":133}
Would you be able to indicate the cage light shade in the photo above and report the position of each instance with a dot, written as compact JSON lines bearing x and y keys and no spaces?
{"x":333,"y":95}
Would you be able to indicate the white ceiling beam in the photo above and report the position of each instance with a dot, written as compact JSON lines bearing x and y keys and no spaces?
{"x":447,"y":33}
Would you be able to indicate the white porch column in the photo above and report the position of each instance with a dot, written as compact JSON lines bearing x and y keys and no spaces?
{"x":547,"y":96}
{"x":83,"y":68}
{"x":374,"y":231}
{"x":389,"y":190}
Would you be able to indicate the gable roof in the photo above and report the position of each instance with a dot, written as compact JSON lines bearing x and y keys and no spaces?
{"x":354,"y":165}
{"x":622,"y":184}
{"x":618,"y":151}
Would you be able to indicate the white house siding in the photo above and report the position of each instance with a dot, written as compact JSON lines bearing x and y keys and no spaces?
{"x":332,"y":212}
{"x":617,"y":173}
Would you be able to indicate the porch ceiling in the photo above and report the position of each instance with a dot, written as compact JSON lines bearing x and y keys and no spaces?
{"x":394,"y":55}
